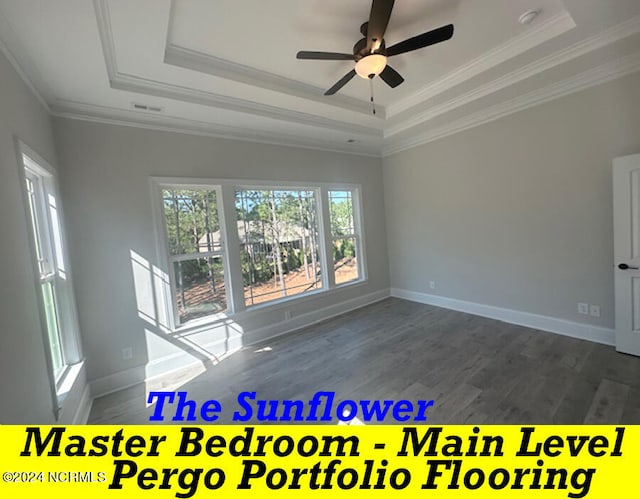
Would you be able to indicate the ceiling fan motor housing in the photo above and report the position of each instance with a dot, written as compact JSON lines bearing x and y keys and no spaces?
{"x":360,"y":49}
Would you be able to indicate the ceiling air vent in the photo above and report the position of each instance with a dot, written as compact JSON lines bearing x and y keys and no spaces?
{"x":144,"y":107}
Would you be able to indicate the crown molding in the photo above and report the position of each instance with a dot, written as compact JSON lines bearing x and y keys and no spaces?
{"x":115,"y":116}
{"x":590,"y":78}
{"x":612,"y":35}
{"x":545,"y":31}
{"x":145,"y":86}
{"x":204,"y":63}
{"x":131,"y":83}
{"x":596,"y":76}
{"x":5,"y":27}
{"x":105,"y":32}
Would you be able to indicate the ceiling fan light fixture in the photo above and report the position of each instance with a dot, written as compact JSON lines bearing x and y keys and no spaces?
{"x":372,"y":64}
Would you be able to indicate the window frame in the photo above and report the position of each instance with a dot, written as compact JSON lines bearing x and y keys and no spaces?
{"x":225,"y":199}
{"x":47,"y":240}
{"x":357,"y":234}
{"x":285,"y":186}
{"x":163,"y":246}
{"x":42,"y":233}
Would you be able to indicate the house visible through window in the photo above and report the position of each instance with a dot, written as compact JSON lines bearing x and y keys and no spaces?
{"x":279,"y":240}
{"x":195,"y":248}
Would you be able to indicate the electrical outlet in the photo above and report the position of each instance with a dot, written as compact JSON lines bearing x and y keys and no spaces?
{"x":432,"y":284}
{"x":127,"y":353}
{"x":583,"y":308}
{"x":594,"y":310}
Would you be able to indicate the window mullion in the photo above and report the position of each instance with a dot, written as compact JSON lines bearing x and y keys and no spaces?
{"x":229,"y":227}
{"x":326,"y":249}
{"x":195,"y":256}
{"x":359,"y":228}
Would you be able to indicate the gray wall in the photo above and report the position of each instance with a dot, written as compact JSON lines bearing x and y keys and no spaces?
{"x":516,"y":213}
{"x":25,"y":395}
{"x":105,"y":184}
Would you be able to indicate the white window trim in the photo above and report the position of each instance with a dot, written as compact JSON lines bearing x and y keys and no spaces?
{"x":358,"y":234}
{"x":32,"y":165}
{"x":161,"y":231}
{"x":225,"y":198}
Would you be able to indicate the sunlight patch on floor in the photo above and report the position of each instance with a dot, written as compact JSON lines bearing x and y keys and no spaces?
{"x":262,"y":350}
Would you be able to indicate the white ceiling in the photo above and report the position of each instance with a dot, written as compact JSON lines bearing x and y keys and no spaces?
{"x":228,"y":67}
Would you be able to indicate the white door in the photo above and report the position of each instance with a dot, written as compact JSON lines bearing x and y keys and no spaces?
{"x":626,"y":218}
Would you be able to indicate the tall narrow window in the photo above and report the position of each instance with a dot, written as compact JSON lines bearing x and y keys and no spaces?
{"x":54,"y":287}
{"x":195,"y":249}
{"x":344,"y":235}
{"x":279,"y":243}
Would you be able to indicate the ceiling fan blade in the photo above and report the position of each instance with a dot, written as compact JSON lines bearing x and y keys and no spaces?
{"x":378,"y":21}
{"x":324,"y":56}
{"x":391,"y":77}
{"x":424,"y":40}
{"x":341,"y":83}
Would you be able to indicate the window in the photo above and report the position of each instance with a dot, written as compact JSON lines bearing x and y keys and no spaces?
{"x":195,"y":252}
{"x":279,"y":240}
{"x":55,"y":293}
{"x":344,"y":236}
{"x":229,"y":247}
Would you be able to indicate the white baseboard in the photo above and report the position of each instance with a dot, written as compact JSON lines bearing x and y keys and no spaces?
{"x":74,"y":396}
{"x":213,"y":352}
{"x":534,"y":321}
{"x":311,"y":318}
{"x":84,"y":407}
{"x":117,"y":381}
{"x":178,"y":362}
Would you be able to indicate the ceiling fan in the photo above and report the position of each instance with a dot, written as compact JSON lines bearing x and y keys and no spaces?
{"x":370,"y":53}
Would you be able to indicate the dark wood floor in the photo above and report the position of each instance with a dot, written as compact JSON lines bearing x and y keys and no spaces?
{"x":478,"y":371}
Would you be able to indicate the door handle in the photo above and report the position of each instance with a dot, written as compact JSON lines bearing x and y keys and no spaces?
{"x":624,"y":266}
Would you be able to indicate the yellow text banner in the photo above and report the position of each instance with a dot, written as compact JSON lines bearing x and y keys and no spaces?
{"x":319,"y":461}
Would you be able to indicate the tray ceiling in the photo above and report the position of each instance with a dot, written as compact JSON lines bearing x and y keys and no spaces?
{"x":228,"y":68}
